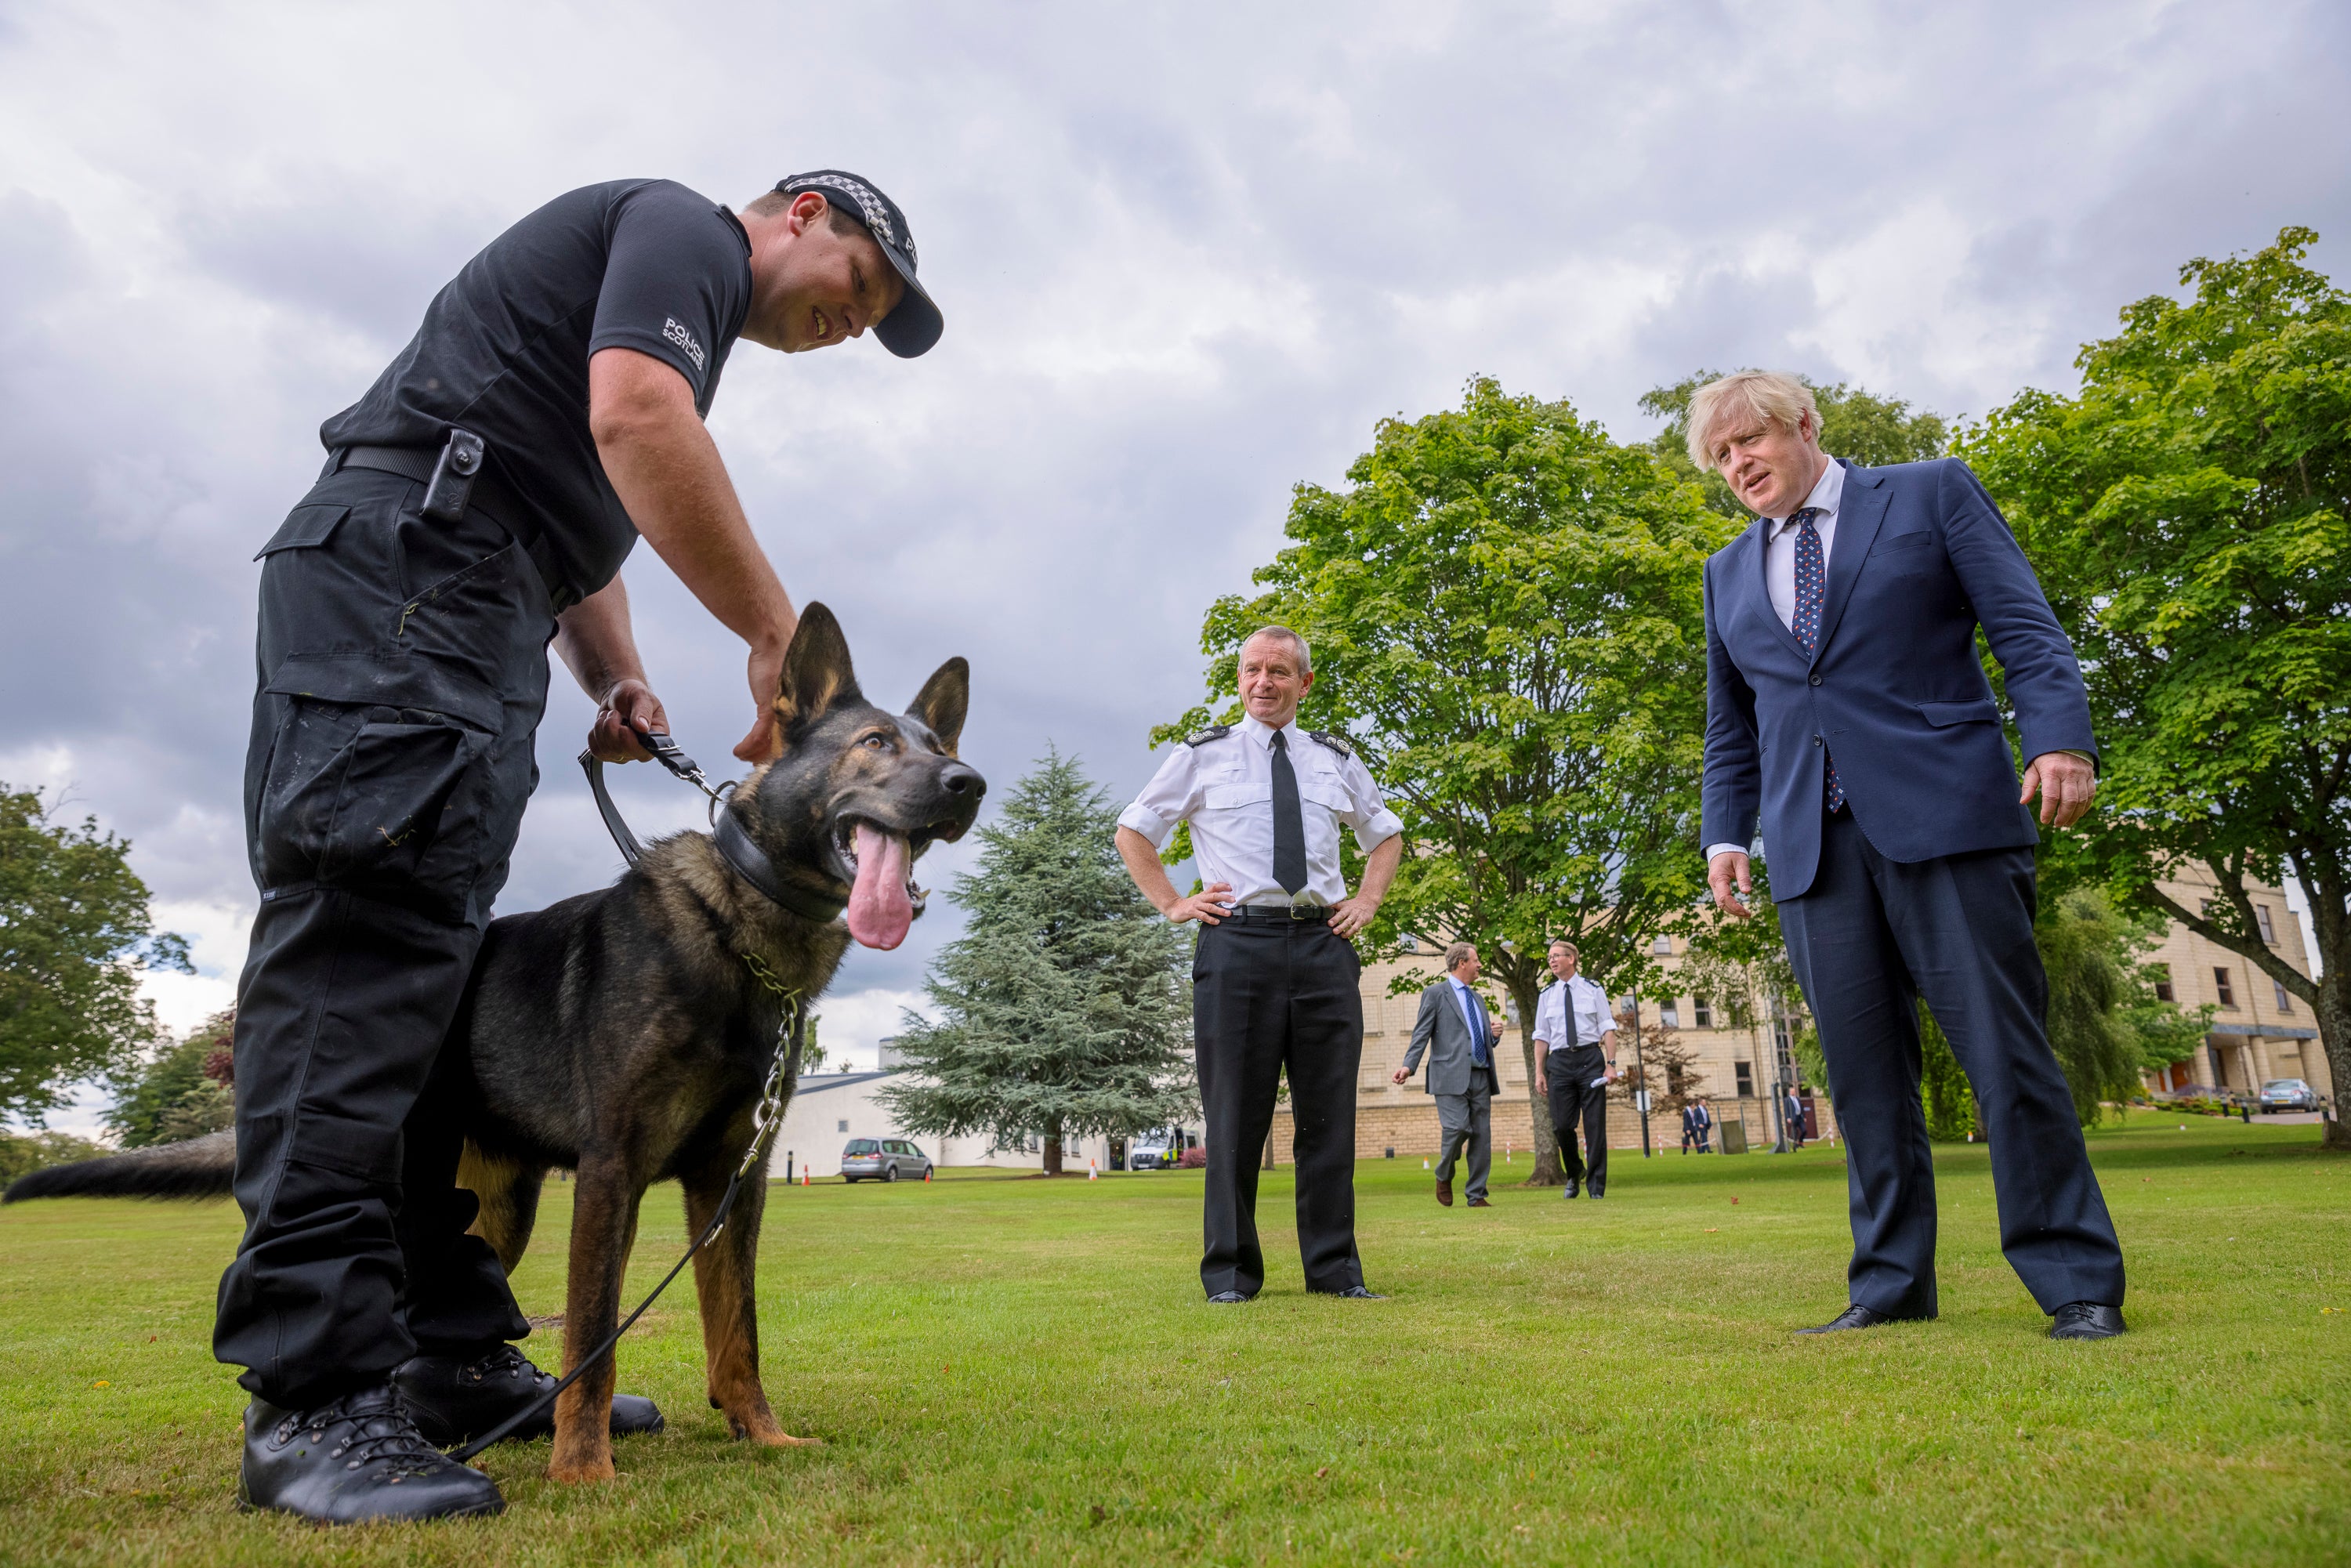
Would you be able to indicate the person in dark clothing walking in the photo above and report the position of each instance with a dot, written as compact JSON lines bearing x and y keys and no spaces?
{"x":1274,"y":980}
{"x":474,"y":509}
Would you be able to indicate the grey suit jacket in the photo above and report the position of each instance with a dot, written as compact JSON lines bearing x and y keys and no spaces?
{"x":1444,"y":1034}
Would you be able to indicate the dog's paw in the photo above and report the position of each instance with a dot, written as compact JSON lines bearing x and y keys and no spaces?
{"x":786,"y":1440}
{"x":579,"y":1472}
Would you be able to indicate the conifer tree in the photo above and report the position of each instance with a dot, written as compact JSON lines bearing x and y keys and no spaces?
{"x":1065,"y":1009}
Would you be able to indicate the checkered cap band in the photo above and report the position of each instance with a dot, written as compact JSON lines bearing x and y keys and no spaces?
{"x":871,"y":208}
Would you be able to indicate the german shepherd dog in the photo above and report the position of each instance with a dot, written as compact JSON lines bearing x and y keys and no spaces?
{"x":623,"y":1033}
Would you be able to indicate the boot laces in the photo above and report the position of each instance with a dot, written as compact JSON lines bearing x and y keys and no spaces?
{"x":506,"y":1362}
{"x":379,"y":1431}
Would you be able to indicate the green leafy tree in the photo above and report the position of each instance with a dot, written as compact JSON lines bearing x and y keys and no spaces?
{"x":1065,"y":1007}
{"x":1873,"y":431}
{"x":1943,"y":1088}
{"x":74,"y":934}
{"x":182,"y":1090}
{"x":1504,"y":609}
{"x":2085,"y":948}
{"x":22,"y":1153}
{"x":2186,"y":511}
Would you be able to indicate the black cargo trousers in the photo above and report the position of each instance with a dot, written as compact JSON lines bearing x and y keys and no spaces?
{"x":402,"y":670}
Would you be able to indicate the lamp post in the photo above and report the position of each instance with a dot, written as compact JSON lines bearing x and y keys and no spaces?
{"x":1640,"y":1075}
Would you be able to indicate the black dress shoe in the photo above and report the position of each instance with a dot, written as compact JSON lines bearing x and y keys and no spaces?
{"x":455,"y":1401}
{"x":357,"y":1458}
{"x":1857,"y":1316}
{"x":1571,"y":1186}
{"x":1354,"y":1293}
{"x":2086,"y":1320}
{"x":1227,"y":1298}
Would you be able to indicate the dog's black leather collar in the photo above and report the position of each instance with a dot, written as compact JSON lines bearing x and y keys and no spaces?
{"x":751,"y":863}
{"x":746,"y":858}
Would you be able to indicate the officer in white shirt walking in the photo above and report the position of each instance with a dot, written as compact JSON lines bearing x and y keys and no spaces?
{"x":1276,"y":973}
{"x":1574,"y":1062}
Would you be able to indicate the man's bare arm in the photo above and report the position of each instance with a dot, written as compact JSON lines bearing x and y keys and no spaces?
{"x":595,"y":641}
{"x":1378,"y":872}
{"x":1151,"y":878}
{"x":667,"y":473}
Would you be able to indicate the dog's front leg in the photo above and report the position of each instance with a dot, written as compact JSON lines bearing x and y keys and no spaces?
{"x":603,"y":1229}
{"x":724,"y":1279}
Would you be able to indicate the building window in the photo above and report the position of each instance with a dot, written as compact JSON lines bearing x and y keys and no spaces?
{"x":1746,"y":1079}
{"x":2269,"y":932}
{"x":2204,"y":907}
{"x":1409,"y":942}
{"x":1662,"y":945}
{"x":844,"y":1126}
{"x":2284,"y":997}
{"x":1702,"y":1014}
{"x":2161,"y":975}
{"x":2220,"y":983}
{"x":1670,"y":1015}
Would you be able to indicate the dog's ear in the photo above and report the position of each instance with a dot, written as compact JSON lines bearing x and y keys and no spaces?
{"x":818,"y":675}
{"x":943,"y":700}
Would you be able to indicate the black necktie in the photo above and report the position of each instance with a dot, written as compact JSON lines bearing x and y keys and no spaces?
{"x":1567,"y":1007}
{"x":1289,"y":820}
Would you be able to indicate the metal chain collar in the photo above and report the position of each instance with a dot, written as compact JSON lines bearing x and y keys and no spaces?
{"x":771,"y":1114}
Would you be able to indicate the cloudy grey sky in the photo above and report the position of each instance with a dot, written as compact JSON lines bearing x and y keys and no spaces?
{"x":1188,"y":254}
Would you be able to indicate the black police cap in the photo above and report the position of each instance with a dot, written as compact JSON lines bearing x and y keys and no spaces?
{"x":915,"y":323}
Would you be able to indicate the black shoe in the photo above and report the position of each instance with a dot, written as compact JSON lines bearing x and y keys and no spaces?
{"x":1595,"y":1192}
{"x":1354,"y":1293}
{"x":1857,"y":1316}
{"x":1571,"y":1186}
{"x":2086,"y":1320}
{"x":455,"y":1401}
{"x":1227,"y":1298}
{"x":358,"y":1459}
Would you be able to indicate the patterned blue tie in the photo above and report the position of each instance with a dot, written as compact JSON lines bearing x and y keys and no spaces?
{"x":1811,"y":594}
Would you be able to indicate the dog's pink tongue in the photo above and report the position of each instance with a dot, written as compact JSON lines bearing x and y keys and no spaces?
{"x":879,"y":910}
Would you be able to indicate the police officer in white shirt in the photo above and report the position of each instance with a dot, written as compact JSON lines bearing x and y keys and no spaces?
{"x":1275,"y":976}
{"x":1576,"y":1060}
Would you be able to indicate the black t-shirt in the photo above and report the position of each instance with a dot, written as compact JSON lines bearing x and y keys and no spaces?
{"x":634,"y":264}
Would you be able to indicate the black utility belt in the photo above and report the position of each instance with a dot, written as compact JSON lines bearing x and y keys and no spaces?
{"x":456,"y":479}
{"x":1589,"y":1052}
{"x":1285,"y":915}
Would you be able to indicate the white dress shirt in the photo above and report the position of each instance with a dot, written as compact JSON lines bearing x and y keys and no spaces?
{"x":1593,"y":1016}
{"x":1224,"y":787}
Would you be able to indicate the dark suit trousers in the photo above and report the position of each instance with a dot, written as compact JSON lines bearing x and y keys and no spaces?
{"x":1575,"y":1100}
{"x":1267,"y":994}
{"x":1867,"y":939}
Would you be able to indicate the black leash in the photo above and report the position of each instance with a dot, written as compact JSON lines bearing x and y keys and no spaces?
{"x":791,"y":1036}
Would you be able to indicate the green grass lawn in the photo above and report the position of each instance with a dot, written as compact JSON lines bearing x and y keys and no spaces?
{"x":1011,"y":1370}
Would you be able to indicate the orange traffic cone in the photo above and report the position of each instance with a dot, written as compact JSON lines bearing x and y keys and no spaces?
{"x":926,"y":1175}
{"x":804,"y":1176}
{"x":1092,"y":1174}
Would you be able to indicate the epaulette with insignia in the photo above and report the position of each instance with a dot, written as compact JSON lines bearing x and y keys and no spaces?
{"x":1214,"y":732}
{"x":1335,"y":742}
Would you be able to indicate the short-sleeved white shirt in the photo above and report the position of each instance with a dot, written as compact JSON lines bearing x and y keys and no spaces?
{"x":1592,"y":1018}
{"x":1223,"y":785}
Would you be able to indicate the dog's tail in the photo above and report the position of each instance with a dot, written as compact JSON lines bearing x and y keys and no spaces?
{"x":199,"y":1167}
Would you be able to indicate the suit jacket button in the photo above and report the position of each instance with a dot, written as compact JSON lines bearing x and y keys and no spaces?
{"x":1816,"y":740}
{"x":1816,"y":680}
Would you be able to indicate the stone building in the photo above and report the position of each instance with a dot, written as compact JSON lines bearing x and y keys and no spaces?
{"x":1733,"y":1067}
{"x":2260,"y":1029}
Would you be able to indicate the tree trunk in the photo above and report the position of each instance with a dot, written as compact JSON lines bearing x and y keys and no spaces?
{"x":1547,"y":1170}
{"x":2333,"y":1009}
{"x":1053,"y":1152}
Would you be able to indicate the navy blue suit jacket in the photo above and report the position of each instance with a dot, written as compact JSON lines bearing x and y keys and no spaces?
{"x":1893,"y":689}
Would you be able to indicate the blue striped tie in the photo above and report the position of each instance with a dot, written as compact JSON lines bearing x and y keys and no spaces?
{"x":1811,"y":596}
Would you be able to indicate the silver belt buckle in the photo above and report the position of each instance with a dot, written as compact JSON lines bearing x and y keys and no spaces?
{"x":1298,"y":904}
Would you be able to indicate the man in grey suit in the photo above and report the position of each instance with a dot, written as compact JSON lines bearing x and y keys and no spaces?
{"x":1459,"y":1035}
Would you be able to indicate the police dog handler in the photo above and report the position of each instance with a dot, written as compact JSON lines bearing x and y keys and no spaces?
{"x":1846,"y":705}
{"x":1275,"y":977}
{"x":475,"y":504}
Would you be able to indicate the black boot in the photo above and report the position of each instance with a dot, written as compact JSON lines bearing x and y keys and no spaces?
{"x":455,"y":1401}
{"x":359,"y":1458}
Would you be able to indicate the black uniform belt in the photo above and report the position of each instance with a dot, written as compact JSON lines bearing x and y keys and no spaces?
{"x":1286,"y":913}
{"x":490,"y":497}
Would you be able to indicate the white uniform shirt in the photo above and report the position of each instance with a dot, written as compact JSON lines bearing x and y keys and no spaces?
{"x":1592,"y":1018}
{"x":1224,"y":787}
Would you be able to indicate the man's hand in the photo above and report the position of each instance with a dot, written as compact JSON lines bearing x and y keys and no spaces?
{"x":1208,"y":907}
{"x":1726,"y":868}
{"x":629,"y":710}
{"x":2067,"y":784}
{"x":1542,"y":1079}
{"x":1398,"y":1076}
{"x":1352,"y":915}
{"x":766,"y":676}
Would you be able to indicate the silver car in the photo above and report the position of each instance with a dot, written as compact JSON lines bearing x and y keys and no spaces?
{"x":2288,"y":1094}
{"x":883,"y":1159}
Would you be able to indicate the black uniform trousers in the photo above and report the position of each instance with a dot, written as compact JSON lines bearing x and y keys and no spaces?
{"x":1576,"y":1101}
{"x":1867,"y":938}
{"x":402,"y":670}
{"x":1268,"y":995}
